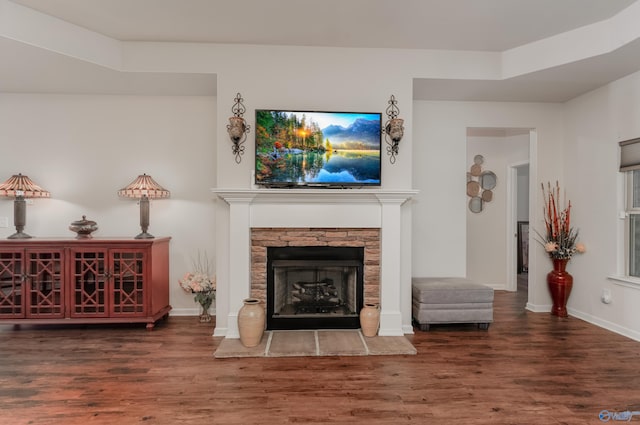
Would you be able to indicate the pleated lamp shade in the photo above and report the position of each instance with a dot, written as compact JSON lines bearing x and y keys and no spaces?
{"x":144,"y":185}
{"x":19,"y":185}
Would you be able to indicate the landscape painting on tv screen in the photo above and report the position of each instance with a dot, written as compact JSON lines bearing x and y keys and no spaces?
{"x":329,"y":149}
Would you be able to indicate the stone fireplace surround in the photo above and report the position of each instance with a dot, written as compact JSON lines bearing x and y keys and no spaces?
{"x":333,"y":211}
{"x":368,"y":239}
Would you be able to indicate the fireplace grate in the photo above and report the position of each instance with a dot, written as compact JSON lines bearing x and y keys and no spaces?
{"x":314,"y":288}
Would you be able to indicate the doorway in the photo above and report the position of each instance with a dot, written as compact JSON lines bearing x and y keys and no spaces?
{"x":492,"y":246}
{"x":520,"y":206}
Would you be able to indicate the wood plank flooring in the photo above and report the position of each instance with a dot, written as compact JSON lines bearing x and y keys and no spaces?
{"x":528,"y":368}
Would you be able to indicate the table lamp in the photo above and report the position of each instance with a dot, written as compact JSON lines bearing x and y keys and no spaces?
{"x":144,"y":188}
{"x":21,"y":187}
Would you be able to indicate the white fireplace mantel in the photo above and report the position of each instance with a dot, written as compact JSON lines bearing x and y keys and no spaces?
{"x":316,"y":196}
{"x":317,"y":208}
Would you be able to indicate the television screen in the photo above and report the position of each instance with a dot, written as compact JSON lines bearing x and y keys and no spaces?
{"x":326,"y":149}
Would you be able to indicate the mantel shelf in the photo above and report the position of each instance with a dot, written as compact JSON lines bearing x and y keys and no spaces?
{"x":330,"y":196}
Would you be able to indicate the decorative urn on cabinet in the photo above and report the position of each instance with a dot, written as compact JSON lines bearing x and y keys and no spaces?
{"x":83,"y":228}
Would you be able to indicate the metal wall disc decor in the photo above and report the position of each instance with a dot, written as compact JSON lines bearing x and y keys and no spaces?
{"x":476,"y":170}
{"x":488,"y":180}
{"x":473,"y":188}
{"x":480,"y":185}
{"x":475,"y":204}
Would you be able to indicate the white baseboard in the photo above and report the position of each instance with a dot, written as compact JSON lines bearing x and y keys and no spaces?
{"x":189,"y":312}
{"x":499,"y":288}
{"x":220,"y":331}
{"x":539,"y":308}
{"x":621,"y":330}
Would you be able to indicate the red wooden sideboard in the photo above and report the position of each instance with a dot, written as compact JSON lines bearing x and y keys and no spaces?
{"x":53,"y":281}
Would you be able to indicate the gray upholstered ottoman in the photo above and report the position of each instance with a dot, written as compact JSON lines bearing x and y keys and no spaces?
{"x":451,"y":300}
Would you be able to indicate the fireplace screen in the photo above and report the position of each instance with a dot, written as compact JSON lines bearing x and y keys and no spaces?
{"x":314,"y":293}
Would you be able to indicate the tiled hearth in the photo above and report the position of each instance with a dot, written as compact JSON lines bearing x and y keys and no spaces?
{"x":250,"y":220}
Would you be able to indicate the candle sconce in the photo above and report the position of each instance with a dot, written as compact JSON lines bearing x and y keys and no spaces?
{"x":238,"y":128}
{"x":393,"y":129}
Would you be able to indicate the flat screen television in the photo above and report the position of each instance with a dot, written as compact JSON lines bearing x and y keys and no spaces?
{"x":317,"y":149}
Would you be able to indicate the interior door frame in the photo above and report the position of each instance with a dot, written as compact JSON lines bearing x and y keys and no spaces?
{"x":512,"y":242}
{"x":512,"y":224}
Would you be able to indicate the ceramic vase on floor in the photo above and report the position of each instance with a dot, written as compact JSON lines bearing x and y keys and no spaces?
{"x":560,"y":283}
{"x":251,"y":320}
{"x":370,"y":319}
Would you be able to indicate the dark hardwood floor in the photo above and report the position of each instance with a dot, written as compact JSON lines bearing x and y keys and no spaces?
{"x":528,"y":368}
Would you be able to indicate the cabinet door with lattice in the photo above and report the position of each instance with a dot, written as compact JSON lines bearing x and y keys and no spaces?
{"x":128,"y":279}
{"x":45,"y":283}
{"x":89,"y":275}
{"x":12,"y":283}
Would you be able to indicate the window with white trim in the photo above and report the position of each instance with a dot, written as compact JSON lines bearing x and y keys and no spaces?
{"x":633,"y":223}
{"x":630,"y":165}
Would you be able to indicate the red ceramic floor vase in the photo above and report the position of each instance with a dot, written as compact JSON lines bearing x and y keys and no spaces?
{"x":560,"y":283}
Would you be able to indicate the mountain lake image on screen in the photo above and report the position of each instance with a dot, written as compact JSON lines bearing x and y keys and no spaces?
{"x":317,"y":149}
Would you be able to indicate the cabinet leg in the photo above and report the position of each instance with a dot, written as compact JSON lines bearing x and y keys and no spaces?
{"x":150,"y":326}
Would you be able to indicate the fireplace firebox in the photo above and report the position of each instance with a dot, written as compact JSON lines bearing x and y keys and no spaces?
{"x":317,"y":287}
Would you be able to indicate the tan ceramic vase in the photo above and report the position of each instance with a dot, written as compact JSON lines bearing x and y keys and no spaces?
{"x":370,"y":319}
{"x":251,"y":320}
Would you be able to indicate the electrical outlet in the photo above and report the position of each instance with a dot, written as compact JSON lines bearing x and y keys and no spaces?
{"x":606,"y":296}
{"x":4,"y":221}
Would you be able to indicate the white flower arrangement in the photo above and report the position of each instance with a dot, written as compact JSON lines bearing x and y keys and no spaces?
{"x":201,"y":279}
{"x":202,"y":283}
{"x":197,"y":282}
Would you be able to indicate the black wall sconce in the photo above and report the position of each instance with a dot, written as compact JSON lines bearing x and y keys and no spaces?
{"x":393,"y":129}
{"x":238,"y":128}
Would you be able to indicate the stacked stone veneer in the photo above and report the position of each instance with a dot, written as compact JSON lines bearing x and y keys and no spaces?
{"x":262,"y":238}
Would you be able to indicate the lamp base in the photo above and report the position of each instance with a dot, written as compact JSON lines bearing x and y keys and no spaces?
{"x":144,"y":235}
{"x":20,"y":235}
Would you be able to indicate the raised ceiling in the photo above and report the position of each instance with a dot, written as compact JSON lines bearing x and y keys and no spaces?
{"x":461,"y":25}
{"x":487,"y":25}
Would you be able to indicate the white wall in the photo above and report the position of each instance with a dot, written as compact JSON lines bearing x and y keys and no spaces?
{"x":487,"y":252}
{"x":302,"y":79}
{"x":595,"y":123}
{"x":278,"y":77}
{"x":576,"y":144}
{"x":84,"y":148}
{"x":440,"y":166}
